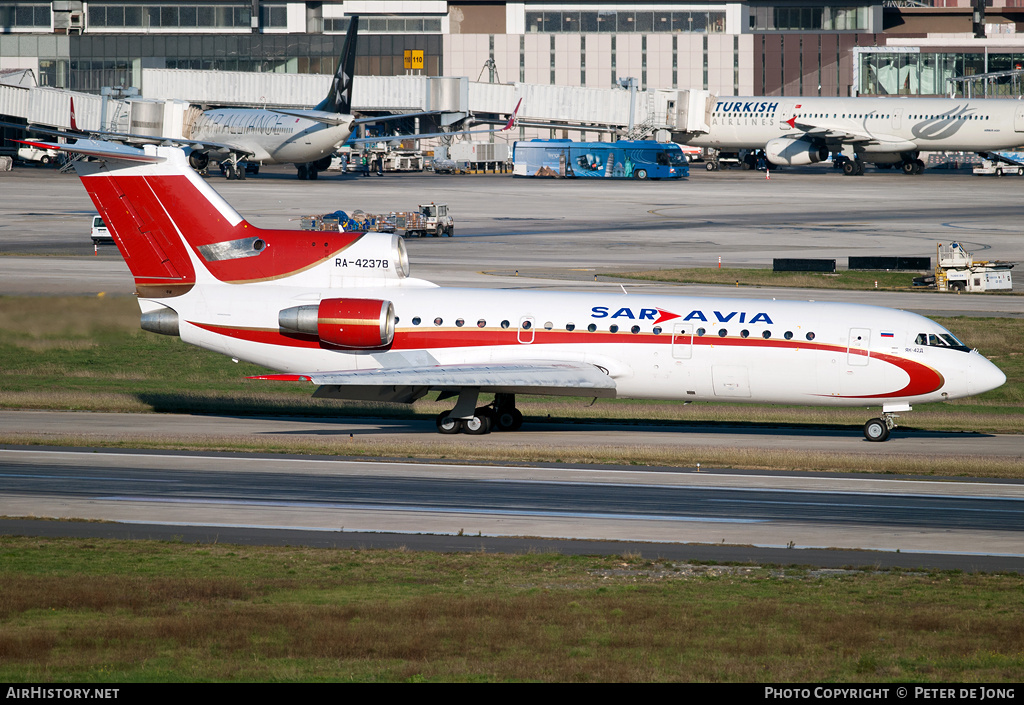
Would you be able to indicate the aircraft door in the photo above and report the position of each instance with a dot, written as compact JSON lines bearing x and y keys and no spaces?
{"x":1018,"y":119}
{"x":897,"y":118}
{"x":682,"y":341}
{"x":526,"y":330}
{"x":858,"y":353}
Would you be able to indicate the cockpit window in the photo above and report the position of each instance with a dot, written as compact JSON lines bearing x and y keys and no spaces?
{"x":940,"y":340}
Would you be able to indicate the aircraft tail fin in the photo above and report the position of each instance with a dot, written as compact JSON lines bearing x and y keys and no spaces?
{"x":512,"y":120}
{"x":339,"y":98}
{"x":74,"y":123}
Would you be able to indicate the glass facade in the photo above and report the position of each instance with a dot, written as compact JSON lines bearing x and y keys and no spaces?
{"x":371,"y":24}
{"x":174,"y":16}
{"x":25,"y":15}
{"x":927,"y":73}
{"x":801,"y":18}
{"x":609,"y":21}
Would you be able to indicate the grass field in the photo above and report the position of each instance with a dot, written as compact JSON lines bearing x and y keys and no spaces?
{"x":109,"y":611}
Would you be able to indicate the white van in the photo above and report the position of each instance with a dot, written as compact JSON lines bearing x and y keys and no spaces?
{"x":37,"y":155}
{"x":99,"y":233}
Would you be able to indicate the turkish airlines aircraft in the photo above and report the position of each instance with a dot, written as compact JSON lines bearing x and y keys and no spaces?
{"x":886,"y":131}
{"x":340,"y":309}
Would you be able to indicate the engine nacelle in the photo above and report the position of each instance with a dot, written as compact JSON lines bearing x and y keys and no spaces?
{"x":352,"y":324}
{"x":790,"y":152}
{"x":198,"y":160}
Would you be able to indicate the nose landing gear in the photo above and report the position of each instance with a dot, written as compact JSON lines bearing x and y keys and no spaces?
{"x":877,"y":430}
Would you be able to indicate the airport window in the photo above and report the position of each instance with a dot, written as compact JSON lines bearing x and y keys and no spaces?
{"x":24,"y":15}
{"x":626,"y":21}
{"x":388,"y":24}
{"x":416,"y":320}
{"x":169,"y":16}
{"x":274,"y":15}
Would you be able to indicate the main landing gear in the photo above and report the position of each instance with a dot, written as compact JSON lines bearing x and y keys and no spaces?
{"x":466,"y":417}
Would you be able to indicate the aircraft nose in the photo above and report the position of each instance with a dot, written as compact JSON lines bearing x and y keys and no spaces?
{"x":983,"y":376}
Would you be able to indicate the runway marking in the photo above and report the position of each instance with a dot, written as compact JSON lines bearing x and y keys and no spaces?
{"x":429,"y":510}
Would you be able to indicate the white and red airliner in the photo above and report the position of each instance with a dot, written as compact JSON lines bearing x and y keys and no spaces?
{"x":340,"y":309}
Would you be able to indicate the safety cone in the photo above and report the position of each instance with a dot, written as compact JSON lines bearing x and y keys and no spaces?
{"x":767,"y":175}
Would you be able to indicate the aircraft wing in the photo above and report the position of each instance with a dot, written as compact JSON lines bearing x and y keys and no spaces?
{"x":410,"y":383}
{"x":324,"y":116}
{"x":832,"y":134}
{"x":132,"y":139}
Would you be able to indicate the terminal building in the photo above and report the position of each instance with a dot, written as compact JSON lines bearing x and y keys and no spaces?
{"x":757,"y":47}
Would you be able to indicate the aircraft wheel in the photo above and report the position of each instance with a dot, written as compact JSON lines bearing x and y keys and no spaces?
{"x":508,"y":420}
{"x":640,"y":174}
{"x":447,"y":425}
{"x":477,"y":425}
{"x":908,"y":168}
{"x":919,"y":163}
{"x":876,"y":430}
{"x":313,"y":174}
{"x":850,"y":168}
{"x":240,"y":173}
{"x":710,"y":166}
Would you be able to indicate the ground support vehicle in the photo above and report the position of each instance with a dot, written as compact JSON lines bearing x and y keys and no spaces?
{"x":99,"y":232}
{"x":998,"y":164}
{"x":956,"y":270}
{"x":431,"y":219}
{"x":640,"y":159}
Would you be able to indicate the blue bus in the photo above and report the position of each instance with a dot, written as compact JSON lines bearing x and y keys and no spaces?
{"x":642,"y":159}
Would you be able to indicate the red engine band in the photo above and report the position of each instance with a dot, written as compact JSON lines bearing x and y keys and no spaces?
{"x":356,"y":324}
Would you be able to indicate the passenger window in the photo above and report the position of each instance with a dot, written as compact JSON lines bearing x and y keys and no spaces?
{"x":416,"y":321}
{"x":570,"y":326}
{"x":504,"y":324}
{"x":744,"y":333}
{"x":810,"y":336}
{"x":788,"y":335}
{"x":527,"y":325}
{"x":460,"y":322}
{"x":592,"y":327}
{"x":722,"y":333}
{"x":701,"y":332}
{"x":481,"y":323}
{"x":438,"y":321}
{"x":766,"y":335}
{"x":613,"y":328}
{"x":634,"y":329}
{"x":657,"y":330}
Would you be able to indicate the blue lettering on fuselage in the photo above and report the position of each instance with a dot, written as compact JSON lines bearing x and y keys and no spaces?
{"x":650,"y":314}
